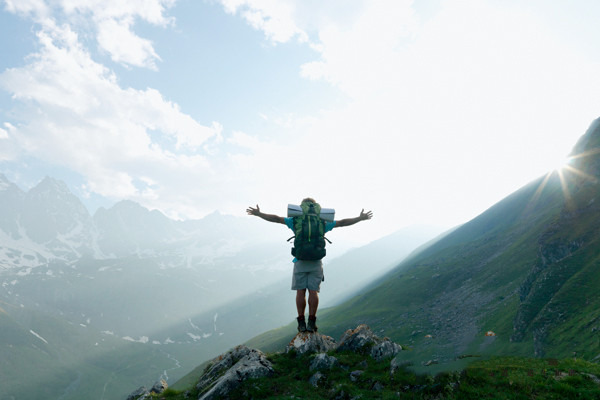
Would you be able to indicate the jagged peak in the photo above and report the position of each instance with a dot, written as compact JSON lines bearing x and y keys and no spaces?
{"x":51,"y":185}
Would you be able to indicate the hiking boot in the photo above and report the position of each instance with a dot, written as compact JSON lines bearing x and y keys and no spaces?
{"x":301,"y":324}
{"x":312,"y":324}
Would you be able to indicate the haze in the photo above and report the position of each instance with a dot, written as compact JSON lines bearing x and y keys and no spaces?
{"x":422,"y":111}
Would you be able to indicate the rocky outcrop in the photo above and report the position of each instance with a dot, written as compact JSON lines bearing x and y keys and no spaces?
{"x":362,"y":339}
{"x":309,"y":342}
{"x":229,"y":370}
{"x":143,"y":393}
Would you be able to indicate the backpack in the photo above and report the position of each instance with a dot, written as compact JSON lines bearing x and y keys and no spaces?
{"x":309,"y":229}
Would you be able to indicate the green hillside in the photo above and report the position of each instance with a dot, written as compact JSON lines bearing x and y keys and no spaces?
{"x":527,"y":269}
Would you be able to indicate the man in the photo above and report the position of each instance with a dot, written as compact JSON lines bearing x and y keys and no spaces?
{"x":308,"y":274}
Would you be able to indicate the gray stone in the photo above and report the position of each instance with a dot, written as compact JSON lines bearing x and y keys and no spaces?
{"x":311,"y":342}
{"x":229,"y":370}
{"x":159,"y":386}
{"x":357,"y":339}
{"x":394,"y":365}
{"x":354,"y":375}
{"x":323,"y":362}
{"x":378,"y":386}
{"x":361,"y":337}
{"x":314,"y":380}
{"x":140,"y":392}
{"x":385,"y":349}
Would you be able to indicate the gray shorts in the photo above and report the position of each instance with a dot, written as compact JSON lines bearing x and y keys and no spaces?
{"x":307,"y":275}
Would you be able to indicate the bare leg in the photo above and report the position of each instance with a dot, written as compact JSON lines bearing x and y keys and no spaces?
{"x":301,"y":301}
{"x":313,"y":302}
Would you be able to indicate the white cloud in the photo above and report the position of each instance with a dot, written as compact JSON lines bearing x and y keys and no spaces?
{"x":35,"y":8}
{"x":124,"y":46}
{"x":113,"y":21}
{"x":76,"y":115}
{"x":276,"y":18}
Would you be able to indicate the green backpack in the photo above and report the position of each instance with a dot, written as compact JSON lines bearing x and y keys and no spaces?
{"x":309,"y":229}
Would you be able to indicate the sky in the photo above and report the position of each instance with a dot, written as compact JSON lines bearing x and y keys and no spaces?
{"x":424,"y":111}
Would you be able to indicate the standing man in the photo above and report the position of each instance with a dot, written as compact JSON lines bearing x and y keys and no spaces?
{"x":308,"y":267}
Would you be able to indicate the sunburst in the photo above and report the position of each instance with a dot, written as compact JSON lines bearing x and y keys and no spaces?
{"x":566,"y":171}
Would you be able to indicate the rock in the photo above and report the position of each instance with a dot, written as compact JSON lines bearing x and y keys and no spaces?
{"x":378,"y":386}
{"x":323,"y":362}
{"x":357,"y":339}
{"x":159,"y":386}
{"x":311,"y":342}
{"x":314,"y":380}
{"x":139,"y":392}
{"x":360,"y":338}
{"x":394,"y":365}
{"x":229,"y":370}
{"x":354,"y":375}
{"x":385,"y":349}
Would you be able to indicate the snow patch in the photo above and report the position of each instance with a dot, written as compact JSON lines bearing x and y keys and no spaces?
{"x":38,"y":336}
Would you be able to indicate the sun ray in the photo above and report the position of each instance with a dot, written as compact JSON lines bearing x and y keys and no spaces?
{"x":538,"y":192}
{"x":581,"y":173}
{"x":563,"y":171}
{"x":565,"y":189}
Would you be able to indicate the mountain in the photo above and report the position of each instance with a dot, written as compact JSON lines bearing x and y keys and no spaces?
{"x":130,"y":285}
{"x":520,"y":279}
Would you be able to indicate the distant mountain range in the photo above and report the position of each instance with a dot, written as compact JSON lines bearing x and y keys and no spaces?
{"x":522,"y":278}
{"x":130,"y":290}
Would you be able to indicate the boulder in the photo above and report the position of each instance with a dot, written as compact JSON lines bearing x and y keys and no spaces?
{"x":362,"y":338}
{"x":354,"y":375}
{"x":229,"y":370}
{"x":140,"y":392}
{"x":323,"y":362}
{"x":159,"y":386}
{"x":310,"y":342}
{"x":385,"y":349}
{"x":314,"y":380}
{"x":357,"y":339}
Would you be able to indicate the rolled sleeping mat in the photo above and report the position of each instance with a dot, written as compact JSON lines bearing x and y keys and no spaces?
{"x":327,"y":214}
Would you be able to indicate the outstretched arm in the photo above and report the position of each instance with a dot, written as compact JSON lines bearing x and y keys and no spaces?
{"x":267,"y":217}
{"x":351,"y":221}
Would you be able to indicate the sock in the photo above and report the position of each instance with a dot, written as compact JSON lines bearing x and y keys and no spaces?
{"x":300,"y":318}
{"x":312,"y":317}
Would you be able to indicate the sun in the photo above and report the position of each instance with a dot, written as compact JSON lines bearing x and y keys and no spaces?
{"x":561,"y":164}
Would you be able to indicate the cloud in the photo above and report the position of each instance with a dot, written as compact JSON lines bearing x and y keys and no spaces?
{"x":125,"y":47}
{"x":113,"y":22}
{"x":276,"y":18}
{"x":75,"y":114}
